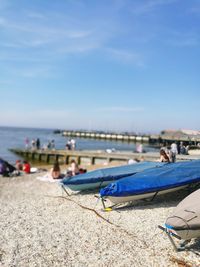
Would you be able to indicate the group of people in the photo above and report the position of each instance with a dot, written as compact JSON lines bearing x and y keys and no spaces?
{"x":36,"y":144}
{"x":7,"y":169}
{"x":23,"y":166}
{"x":50,"y":145}
{"x":72,"y":170}
{"x":169,"y":155}
{"x":71,"y":144}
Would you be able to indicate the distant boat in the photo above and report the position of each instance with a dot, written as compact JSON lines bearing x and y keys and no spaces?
{"x":102,"y":177}
{"x":57,"y":131}
{"x":152,"y":182}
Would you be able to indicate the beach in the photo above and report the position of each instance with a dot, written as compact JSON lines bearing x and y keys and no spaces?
{"x":42,"y":226}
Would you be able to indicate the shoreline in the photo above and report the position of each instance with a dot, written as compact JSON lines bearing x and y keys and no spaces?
{"x":42,"y":226}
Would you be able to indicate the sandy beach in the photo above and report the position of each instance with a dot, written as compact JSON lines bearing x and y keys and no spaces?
{"x":41,"y":226}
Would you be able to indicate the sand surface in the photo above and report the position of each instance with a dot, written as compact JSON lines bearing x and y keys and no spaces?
{"x":41,"y":226}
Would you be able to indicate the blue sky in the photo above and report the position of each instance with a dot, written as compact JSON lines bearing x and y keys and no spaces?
{"x":119,"y":65}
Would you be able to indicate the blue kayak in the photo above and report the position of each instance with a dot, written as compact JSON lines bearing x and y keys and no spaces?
{"x":102,"y":177}
{"x":170,"y":177}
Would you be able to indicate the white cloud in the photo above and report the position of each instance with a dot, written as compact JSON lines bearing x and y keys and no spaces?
{"x":59,"y":34}
{"x":62,"y":33}
{"x":23,"y":37}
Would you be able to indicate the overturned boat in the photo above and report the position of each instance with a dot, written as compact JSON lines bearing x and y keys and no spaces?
{"x":185,"y":220}
{"x":102,"y":177}
{"x":184,"y":223}
{"x":152,"y":182}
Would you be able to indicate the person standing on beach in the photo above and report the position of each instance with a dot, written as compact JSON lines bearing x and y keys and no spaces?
{"x":52,"y":144}
{"x":173,"y":152}
{"x":33,"y":144}
{"x":49,"y":145}
{"x":182,"y":148}
{"x":27,"y":143}
{"x":68,"y":145}
{"x":73,"y":144}
{"x":139,"y":148}
{"x":38,"y":143}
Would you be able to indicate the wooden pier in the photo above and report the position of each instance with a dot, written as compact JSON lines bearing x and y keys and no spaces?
{"x":155,"y":140}
{"x":82,"y":157}
{"x":90,"y":157}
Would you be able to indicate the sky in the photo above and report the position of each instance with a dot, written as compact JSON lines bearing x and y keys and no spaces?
{"x":114,"y":65}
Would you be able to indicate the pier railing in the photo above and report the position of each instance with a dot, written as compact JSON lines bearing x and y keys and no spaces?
{"x":107,"y":136}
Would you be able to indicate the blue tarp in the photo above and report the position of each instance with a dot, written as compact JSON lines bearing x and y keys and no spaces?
{"x":109,"y":174}
{"x":153,"y":180}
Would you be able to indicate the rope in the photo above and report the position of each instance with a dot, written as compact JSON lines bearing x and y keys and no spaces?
{"x":86,"y":208}
{"x":103,"y":218}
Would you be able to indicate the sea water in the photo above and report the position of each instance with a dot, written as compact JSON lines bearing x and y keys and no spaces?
{"x":13,"y":137}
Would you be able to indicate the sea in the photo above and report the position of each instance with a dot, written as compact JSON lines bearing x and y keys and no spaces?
{"x":14,"y":137}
